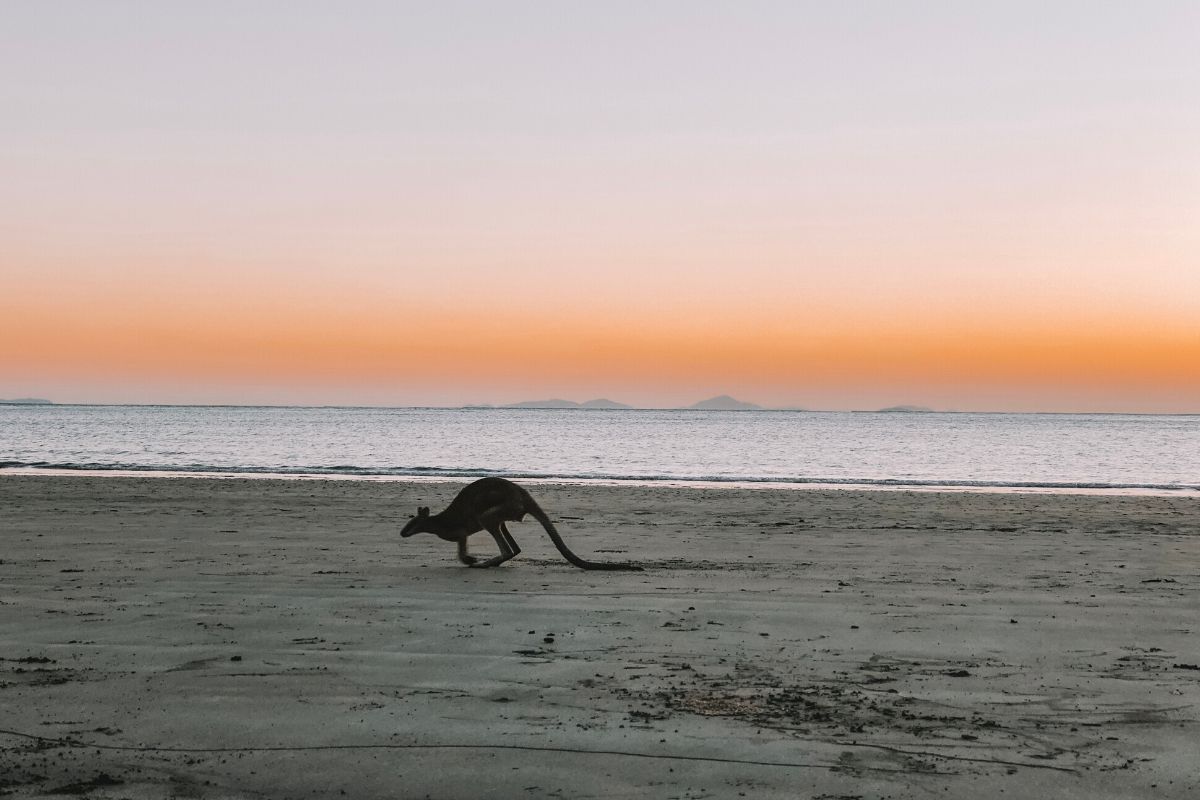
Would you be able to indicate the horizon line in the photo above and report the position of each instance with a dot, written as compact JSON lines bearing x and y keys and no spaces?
{"x":514,"y":407}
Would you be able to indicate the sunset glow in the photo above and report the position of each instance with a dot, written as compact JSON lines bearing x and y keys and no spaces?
{"x":964,"y":212}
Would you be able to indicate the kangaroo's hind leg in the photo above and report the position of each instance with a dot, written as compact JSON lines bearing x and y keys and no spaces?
{"x":494,"y":524}
{"x":513,"y":547}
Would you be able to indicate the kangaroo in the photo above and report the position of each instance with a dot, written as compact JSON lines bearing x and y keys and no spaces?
{"x":487,"y":504}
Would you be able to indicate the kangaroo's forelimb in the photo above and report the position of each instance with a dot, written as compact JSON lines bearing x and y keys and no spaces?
{"x":463,"y":555}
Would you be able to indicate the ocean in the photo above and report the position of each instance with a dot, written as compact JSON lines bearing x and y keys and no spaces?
{"x":1108,"y":453}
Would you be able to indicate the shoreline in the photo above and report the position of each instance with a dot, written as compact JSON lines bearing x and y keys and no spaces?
{"x":766,"y":484}
{"x":486,"y":407}
{"x":276,"y":638}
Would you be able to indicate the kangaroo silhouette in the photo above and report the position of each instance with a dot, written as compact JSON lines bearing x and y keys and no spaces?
{"x":487,"y":504}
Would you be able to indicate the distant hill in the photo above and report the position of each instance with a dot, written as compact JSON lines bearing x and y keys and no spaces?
{"x":720,"y":403}
{"x":603,"y":403}
{"x":26,"y":401}
{"x":724,"y":403}
{"x":559,"y":403}
{"x":905,"y":410}
{"x":544,"y":404}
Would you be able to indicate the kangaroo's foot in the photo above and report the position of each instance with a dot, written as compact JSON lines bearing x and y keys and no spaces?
{"x":491,"y":562}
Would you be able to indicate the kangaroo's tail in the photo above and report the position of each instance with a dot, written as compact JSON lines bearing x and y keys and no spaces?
{"x":536,"y":512}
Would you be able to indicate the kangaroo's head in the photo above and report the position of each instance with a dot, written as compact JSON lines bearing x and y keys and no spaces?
{"x":417,"y":524}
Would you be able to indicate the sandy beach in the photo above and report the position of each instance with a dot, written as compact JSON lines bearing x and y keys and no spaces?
{"x":277,"y":639}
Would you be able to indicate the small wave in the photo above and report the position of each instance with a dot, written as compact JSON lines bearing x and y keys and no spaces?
{"x":353,"y":471}
{"x":207,"y":469}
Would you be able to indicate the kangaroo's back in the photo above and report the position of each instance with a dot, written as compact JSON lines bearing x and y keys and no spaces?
{"x":490,"y":493}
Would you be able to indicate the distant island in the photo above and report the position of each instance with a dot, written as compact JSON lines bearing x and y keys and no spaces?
{"x":724,"y":403}
{"x":905,"y":410}
{"x":26,"y":401}
{"x":719,"y":403}
{"x":558,"y":403}
{"x":602,"y":402}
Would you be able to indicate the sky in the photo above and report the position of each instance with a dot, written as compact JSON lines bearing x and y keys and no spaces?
{"x":968,"y":206}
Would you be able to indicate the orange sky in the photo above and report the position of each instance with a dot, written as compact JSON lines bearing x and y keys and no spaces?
{"x":934,"y":207}
{"x":777,"y":351}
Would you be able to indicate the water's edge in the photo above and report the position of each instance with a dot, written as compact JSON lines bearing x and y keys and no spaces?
{"x":435,"y":474}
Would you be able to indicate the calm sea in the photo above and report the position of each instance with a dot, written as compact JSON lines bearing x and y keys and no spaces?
{"x":1056,"y":452}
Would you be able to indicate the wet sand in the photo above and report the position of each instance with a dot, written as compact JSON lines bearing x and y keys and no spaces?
{"x":272,"y":639}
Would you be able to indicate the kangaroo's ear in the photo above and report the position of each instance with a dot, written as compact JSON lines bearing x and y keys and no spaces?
{"x":423,"y":511}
